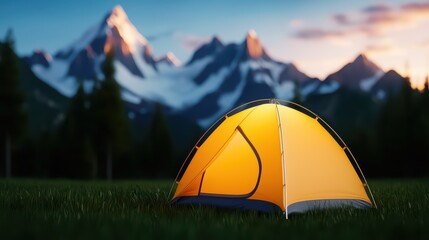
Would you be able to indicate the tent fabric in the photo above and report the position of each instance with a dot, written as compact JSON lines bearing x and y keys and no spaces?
{"x":272,"y":154}
{"x":304,"y":206}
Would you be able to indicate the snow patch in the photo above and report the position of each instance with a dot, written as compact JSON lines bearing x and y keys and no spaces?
{"x":274,"y":68}
{"x":309,"y":88}
{"x":88,"y":85}
{"x":172,"y":87}
{"x":285,"y":90}
{"x":54,"y":76}
{"x":328,"y":88}
{"x":227,"y":100}
{"x":381,"y":94}
{"x":367,"y":83}
{"x":262,"y":77}
{"x":131,"y":115}
{"x":129,"y":97}
{"x":164,"y":66}
{"x":147,"y":69}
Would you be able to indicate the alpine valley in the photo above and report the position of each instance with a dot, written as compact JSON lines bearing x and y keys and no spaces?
{"x":218,"y":77}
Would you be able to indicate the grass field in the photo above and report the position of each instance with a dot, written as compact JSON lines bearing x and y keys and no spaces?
{"x":46,"y":209}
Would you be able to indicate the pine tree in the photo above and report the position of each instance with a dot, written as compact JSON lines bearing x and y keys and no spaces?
{"x":425,"y":96}
{"x":88,"y":159}
{"x":160,"y":147}
{"x":78,"y":154}
{"x":112,"y":127}
{"x":391,"y":130}
{"x":400,"y":134}
{"x":12,"y":115}
{"x":424,"y":127}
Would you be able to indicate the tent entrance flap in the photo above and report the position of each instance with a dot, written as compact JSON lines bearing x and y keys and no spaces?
{"x":236,"y":170}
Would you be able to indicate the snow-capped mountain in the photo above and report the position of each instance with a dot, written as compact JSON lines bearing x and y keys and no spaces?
{"x":217,"y":77}
{"x":361,"y":75}
{"x":207,"y":50}
{"x":83,"y":58}
{"x":390,"y":82}
{"x":242,"y":72}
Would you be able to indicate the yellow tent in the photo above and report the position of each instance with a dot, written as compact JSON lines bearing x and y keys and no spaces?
{"x":269,"y":155}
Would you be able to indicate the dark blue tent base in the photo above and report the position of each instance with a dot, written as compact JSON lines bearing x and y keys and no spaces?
{"x":268,"y":207}
{"x":232,"y":203}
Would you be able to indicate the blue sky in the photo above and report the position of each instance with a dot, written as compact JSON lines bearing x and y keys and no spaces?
{"x":309,"y":33}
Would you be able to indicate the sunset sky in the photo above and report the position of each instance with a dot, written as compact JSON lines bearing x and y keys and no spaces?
{"x":318,"y":36}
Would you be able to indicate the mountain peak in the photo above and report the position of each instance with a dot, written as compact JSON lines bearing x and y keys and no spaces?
{"x":353,"y":74}
{"x":117,"y":17}
{"x":252,"y":34}
{"x":216,"y":41}
{"x":361,"y":57}
{"x":253,"y":45}
{"x":117,"y":21}
{"x":40,"y":52}
{"x":118,"y":8}
{"x":208,"y":49}
{"x":362,"y":61}
{"x":39,"y":57}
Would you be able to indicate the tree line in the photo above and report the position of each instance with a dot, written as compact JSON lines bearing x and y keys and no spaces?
{"x":94,"y":140}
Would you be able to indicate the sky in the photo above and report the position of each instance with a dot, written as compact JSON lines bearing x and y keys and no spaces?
{"x":317,"y":36}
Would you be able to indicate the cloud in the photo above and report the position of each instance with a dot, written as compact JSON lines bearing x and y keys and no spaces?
{"x":339,"y":36}
{"x":379,"y":49}
{"x":371,"y":21}
{"x":379,"y":8}
{"x":191,"y":42}
{"x":296,"y":23}
{"x":416,"y":11}
{"x":384,"y":46}
{"x":312,"y":33}
{"x":342,"y":19}
{"x":416,"y":7}
{"x":157,"y":36}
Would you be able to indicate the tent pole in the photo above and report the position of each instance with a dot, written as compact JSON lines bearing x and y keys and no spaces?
{"x":180,"y":170}
{"x":364,"y":179}
{"x":189,"y":154}
{"x":283,"y":159}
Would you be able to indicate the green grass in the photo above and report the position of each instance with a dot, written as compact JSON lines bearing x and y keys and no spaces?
{"x":46,"y":209}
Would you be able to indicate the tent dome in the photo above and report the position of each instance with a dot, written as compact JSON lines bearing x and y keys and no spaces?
{"x":271,"y":155}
